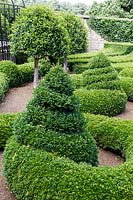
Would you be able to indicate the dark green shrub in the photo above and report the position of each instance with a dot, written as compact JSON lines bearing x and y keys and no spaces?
{"x":3,"y":85}
{"x":127,"y":85}
{"x":26,"y":72}
{"x":127,"y":72}
{"x":11,"y":70}
{"x":53,"y":121}
{"x":44,"y":67}
{"x":104,"y":102}
{"x":6,"y":123}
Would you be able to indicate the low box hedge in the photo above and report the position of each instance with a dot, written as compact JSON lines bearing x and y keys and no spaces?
{"x":112,"y":133}
{"x":120,"y":66}
{"x":104,"y":102}
{"x":4,"y":86}
{"x":6,"y":123}
{"x":120,"y":59}
{"x":44,"y":175}
{"x":127,"y":72}
{"x":127,"y":85}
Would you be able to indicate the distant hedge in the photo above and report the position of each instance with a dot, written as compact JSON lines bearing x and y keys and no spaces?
{"x":112,"y":29}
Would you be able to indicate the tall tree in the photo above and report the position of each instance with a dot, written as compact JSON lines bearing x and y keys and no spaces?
{"x":38,"y":32}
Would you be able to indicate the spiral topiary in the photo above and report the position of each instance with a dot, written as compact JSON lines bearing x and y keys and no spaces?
{"x":53,"y":121}
{"x":101,"y":75}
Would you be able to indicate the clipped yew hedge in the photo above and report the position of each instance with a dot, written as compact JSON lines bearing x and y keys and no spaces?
{"x":103,"y":102}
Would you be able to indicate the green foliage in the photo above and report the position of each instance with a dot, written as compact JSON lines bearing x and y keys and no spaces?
{"x":6,"y":123}
{"x":26,"y":70}
{"x":11,"y":71}
{"x":120,"y":66}
{"x":127,"y":72}
{"x":104,"y":102}
{"x":3,"y":85}
{"x":99,"y":61}
{"x":118,"y":48}
{"x":38,"y":31}
{"x":42,"y":175}
{"x":120,"y":59}
{"x":127,"y":85}
{"x":112,"y":8}
{"x":112,"y":133}
{"x":77,"y":80}
{"x":100,"y":75}
{"x":77,"y":33}
{"x":53,"y":121}
{"x":115,"y":30}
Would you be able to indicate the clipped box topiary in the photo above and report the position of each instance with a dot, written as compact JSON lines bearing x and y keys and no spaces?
{"x":103,"y":102}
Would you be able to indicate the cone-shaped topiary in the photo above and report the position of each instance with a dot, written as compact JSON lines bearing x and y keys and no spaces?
{"x":54,"y":123}
{"x":101,"y":75}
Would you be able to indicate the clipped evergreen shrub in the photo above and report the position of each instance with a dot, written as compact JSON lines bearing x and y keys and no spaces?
{"x":44,"y":175}
{"x":4,"y":86}
{"x":127,"y":85}
{"x":103,"y":102}
{"x":127,"y":72}
{"x":11,"y":71}
{"x":112,"y":133}
{"x":53,"y":121}
{"x":101,"y":75}
{"x":6,"y":127}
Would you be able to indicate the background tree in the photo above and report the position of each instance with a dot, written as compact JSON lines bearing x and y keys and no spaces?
{"x":77,"y":32}
{"x":109,"y":8}
{"x":39,"y":33}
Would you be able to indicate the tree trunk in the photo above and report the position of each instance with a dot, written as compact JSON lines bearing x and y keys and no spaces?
{"x":65,"y":63}
{"x":35,"y":71}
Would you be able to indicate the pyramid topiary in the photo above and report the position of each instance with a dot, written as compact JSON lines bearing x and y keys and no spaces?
{"x":101,"y":75}
{"x":53,"y":121}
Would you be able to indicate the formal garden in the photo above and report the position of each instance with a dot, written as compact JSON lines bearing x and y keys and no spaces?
{"x":50,"y":149}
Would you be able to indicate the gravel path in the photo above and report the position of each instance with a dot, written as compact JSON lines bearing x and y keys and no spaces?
{"x":16,"y":100}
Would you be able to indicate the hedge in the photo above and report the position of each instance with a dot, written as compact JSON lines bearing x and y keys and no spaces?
{"x":127,"y":72}
{"x":112,"y":133}
{"x":113,"y":29}
{"x":115,"y":48}
{"x":127,"y":85}
{"x":53,"y":121}
{"x":11,"y":71}
{"x":120,"y":66}
{"x":104,"y":102}
{"x":3,"y":85}
{"x":120,"y":59}
{"x":26,"y":70}
{"x":44,"y":175}
{"x":6,"y":124}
